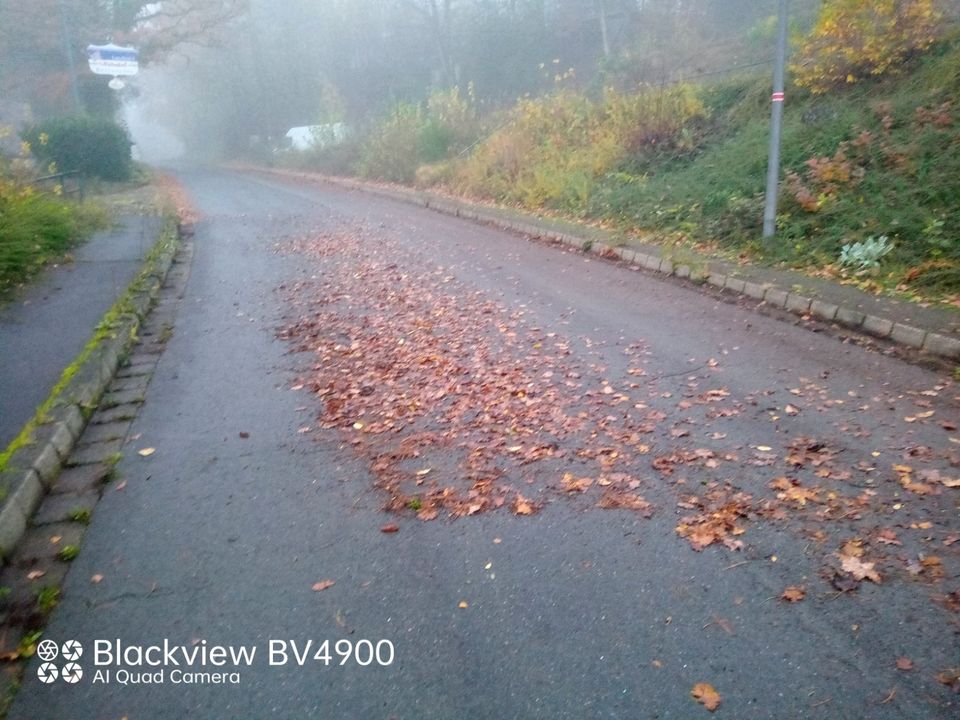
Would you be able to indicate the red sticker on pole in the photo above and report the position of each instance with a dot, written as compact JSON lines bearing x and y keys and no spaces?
{"x":777,"y":97}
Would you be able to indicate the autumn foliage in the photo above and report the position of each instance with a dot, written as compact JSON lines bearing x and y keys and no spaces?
{"x":856,"y":39}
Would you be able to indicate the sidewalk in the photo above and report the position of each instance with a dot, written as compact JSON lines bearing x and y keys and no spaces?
{"x":46,"y":327}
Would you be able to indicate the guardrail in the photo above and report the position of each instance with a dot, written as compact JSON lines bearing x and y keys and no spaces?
{"x":70,"y":184}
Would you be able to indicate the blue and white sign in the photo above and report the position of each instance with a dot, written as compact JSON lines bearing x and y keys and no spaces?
{"x":113,"y":60}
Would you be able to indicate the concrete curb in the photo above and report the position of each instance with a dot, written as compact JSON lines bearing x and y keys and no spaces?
{"x":916,"y":338}
{"x":32,"y":468}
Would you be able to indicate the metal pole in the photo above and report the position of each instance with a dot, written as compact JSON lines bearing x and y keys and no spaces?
{"x":776,"y":121}
{"x":71,"y":63}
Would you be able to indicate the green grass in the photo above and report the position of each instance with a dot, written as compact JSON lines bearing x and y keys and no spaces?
{"x":38,"y":229}
{"x":910,"y":176}
{"x":108,"y":327}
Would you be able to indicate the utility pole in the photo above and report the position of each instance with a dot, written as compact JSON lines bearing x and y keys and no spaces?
{"x":776,"y":122}
{"x":71,"y":62}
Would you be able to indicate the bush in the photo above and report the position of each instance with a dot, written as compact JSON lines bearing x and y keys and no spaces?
{"x":35,"y":229}
{"x":554,"y":150}
{"x":411,"y":135}
{"x":392,"y":149}
{"x":97,"y":147}
{"x":857,"y":39}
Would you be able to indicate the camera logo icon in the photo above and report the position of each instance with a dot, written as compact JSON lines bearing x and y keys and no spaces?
{"x":48,"y":673}
{"x":71,"y":650}
{"x":48,"y":650}
{"x":72,"y":672}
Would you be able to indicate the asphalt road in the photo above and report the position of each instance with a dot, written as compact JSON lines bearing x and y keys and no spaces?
{"x":220,"y":536}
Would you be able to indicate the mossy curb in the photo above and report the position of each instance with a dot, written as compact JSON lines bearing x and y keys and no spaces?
{"x":30,"y":464}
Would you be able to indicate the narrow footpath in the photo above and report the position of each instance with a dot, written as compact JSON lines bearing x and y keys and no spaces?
{"x":46,"y":326}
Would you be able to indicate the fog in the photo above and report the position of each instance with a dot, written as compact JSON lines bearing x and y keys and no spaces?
{"x":228,"y":78}
{"x":237,"y":87}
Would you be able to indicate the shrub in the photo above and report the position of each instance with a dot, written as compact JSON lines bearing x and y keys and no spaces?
{"x":856,"y":39}
{"x":97,"y":147}
{"x":392,"y":148}
{"x":554,"y":149}
{"x":411,"y":135}
{"x":36,"y":228}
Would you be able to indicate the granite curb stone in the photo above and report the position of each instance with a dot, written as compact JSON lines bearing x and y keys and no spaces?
{"x":36,"y":466}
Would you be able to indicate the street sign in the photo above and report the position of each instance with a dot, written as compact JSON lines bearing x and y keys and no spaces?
{"x":113,"y":60}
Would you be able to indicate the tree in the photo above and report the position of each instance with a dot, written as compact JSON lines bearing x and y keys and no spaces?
{"x":35,"y":37}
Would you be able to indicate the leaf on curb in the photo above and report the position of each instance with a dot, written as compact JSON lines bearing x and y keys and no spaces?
{"x":706,"y":695}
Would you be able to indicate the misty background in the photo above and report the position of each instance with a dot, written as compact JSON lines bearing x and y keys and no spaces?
{"x":221,"y":78}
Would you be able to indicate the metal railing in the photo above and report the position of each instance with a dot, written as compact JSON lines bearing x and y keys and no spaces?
{"x":70,"y":184}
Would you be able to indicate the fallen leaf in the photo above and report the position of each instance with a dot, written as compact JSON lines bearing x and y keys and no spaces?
{"x":463,"y":605}
{"x":120,"y":485}
{"x":244,"y":435}
{"x":36,"y":574}
{"x":570,"y":483}
{"x":950,"y":677}
{"x":323,"y":585}
{"x":706,"y":695}
{"x":904,"y":663}
{"x":522,"y":506}
{"x":859,"y":569}
{"x":794,"y":593}
{"x":146,"y":452}
{"x":96,"y":579}
{"x":390,"y":528}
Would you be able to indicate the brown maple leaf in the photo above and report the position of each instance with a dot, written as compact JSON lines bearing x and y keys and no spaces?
{"x":706,"y":695}
{"x":570,"y":483}
{"x":522,"y":506}
{"x":859,"y":569}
